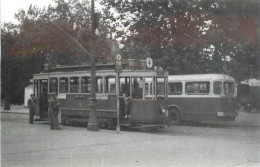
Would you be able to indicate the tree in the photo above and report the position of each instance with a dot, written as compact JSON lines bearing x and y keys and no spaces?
{"x":193,"y":36}
{"x":8,"y":37}
{"x":60,"y":32}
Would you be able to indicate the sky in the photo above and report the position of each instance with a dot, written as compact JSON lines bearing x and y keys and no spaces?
{"x":10,"y":7}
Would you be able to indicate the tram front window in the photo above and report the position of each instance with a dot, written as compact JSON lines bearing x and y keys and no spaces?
{"x":137,"y":88}
{"x":160,"y":87}
{"x":125,"y":86}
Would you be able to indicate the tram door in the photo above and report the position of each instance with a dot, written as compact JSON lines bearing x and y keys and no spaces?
{"x":41,"y":93}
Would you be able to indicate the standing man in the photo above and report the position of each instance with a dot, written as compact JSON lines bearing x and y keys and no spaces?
{"x":32,"y":107}
{"x":53,"y":111}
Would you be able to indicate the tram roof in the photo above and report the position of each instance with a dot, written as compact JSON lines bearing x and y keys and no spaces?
{"x":125,"y":73}
{"x":199,"y":77}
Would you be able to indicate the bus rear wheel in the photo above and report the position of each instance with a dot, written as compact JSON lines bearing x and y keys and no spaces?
{"x":174,"y":116}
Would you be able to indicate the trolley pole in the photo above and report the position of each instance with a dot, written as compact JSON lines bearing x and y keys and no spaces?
{"x":92,"y":122}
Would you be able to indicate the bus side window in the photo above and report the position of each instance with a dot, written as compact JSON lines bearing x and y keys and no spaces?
{"x":63,"y":85}
{"x":217,"y":87}
{"x":53,"y":85}
{"x":74,"y":85}
{"x":196,"y":88}
{"x":175,"y":88}
{"x":85,"y":85}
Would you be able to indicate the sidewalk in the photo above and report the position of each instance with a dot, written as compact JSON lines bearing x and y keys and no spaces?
{"x":19,"y":109}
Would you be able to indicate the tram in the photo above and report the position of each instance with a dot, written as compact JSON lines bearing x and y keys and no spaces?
{"x":248,"y":94}
{"x":72,"y":85}
{"x":201,"y":97}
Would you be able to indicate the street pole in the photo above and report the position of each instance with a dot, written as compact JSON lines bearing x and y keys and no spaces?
{"x":118,"y":69}
{"x":118,"y":102}
{"x":92,"y":122}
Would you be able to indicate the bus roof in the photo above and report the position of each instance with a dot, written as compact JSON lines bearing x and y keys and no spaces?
{"x":199,"y":77}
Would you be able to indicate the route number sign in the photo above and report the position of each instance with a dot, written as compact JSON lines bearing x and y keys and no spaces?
{"x":118,"y":57}
{"x":149,"y":62}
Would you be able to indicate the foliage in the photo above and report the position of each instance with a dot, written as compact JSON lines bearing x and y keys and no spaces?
{"x":183,"y":36}
{"x":193,"y":36}
{"x":61,"y":33}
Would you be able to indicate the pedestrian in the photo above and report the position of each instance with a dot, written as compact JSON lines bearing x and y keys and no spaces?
{"x":53,"y":111}
{"x":127,"y":101}
{"x":32,"y":107}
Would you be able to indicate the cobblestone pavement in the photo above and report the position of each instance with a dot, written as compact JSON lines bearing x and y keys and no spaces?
{"x":223,"y":144}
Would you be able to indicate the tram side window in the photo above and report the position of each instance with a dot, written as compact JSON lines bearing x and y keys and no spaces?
{"x":110,"y":84}
{"x":63,"y":85}
{"x":197,"y":88}
{"x":175,"y":88}
{"x":74,"y":85}
{"x":217,"y":87}
{"x":99,"y":85}
{"x":85,"y":85}
{"x":53,"y":85}
{"x":229,"y":88}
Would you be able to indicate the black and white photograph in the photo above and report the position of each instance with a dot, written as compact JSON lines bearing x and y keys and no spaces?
{"x":130,"y":83}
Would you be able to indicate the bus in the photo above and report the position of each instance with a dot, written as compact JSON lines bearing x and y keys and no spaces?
{"x":72,"y":84}
{"x":201,"y":97}
{"x":248,"y":94}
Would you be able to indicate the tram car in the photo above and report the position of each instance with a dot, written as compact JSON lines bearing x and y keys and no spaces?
{"x":248,"y":94}
{"x":72,"y":86}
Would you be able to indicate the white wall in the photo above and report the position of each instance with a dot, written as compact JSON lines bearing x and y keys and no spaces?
{"x":27,"y":91}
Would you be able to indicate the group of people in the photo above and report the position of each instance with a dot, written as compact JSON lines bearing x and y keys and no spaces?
{"x":53,"y":111}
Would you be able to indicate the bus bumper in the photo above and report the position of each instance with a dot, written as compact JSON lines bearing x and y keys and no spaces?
{"x":227,"y":116}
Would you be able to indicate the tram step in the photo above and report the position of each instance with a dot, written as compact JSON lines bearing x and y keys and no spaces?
{"x":125,"y":124}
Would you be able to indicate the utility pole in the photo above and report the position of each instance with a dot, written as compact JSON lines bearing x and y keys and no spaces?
{"x":92,"y":121}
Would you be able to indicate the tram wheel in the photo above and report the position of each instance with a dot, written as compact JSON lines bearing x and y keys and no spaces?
{"x":174,"y":116}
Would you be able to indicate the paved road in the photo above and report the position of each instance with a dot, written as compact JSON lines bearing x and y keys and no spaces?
{"x":224,"y":144}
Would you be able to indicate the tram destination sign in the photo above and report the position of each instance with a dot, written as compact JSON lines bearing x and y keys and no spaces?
{"x":118,"y":67}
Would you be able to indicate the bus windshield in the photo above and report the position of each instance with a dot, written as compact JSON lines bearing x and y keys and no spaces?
{"x":229,"y":88}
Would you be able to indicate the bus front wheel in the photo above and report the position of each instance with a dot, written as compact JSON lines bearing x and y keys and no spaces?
{"x":174,"y":116}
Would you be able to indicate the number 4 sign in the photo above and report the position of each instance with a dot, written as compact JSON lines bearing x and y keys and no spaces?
{"x":149,"y":62}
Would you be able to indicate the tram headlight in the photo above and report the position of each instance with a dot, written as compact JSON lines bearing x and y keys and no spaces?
{"x":162,"y":109}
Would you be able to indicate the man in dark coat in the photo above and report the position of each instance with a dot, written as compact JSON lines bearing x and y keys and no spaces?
{"x":53,"y":111}
{"x":32,"y":107}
